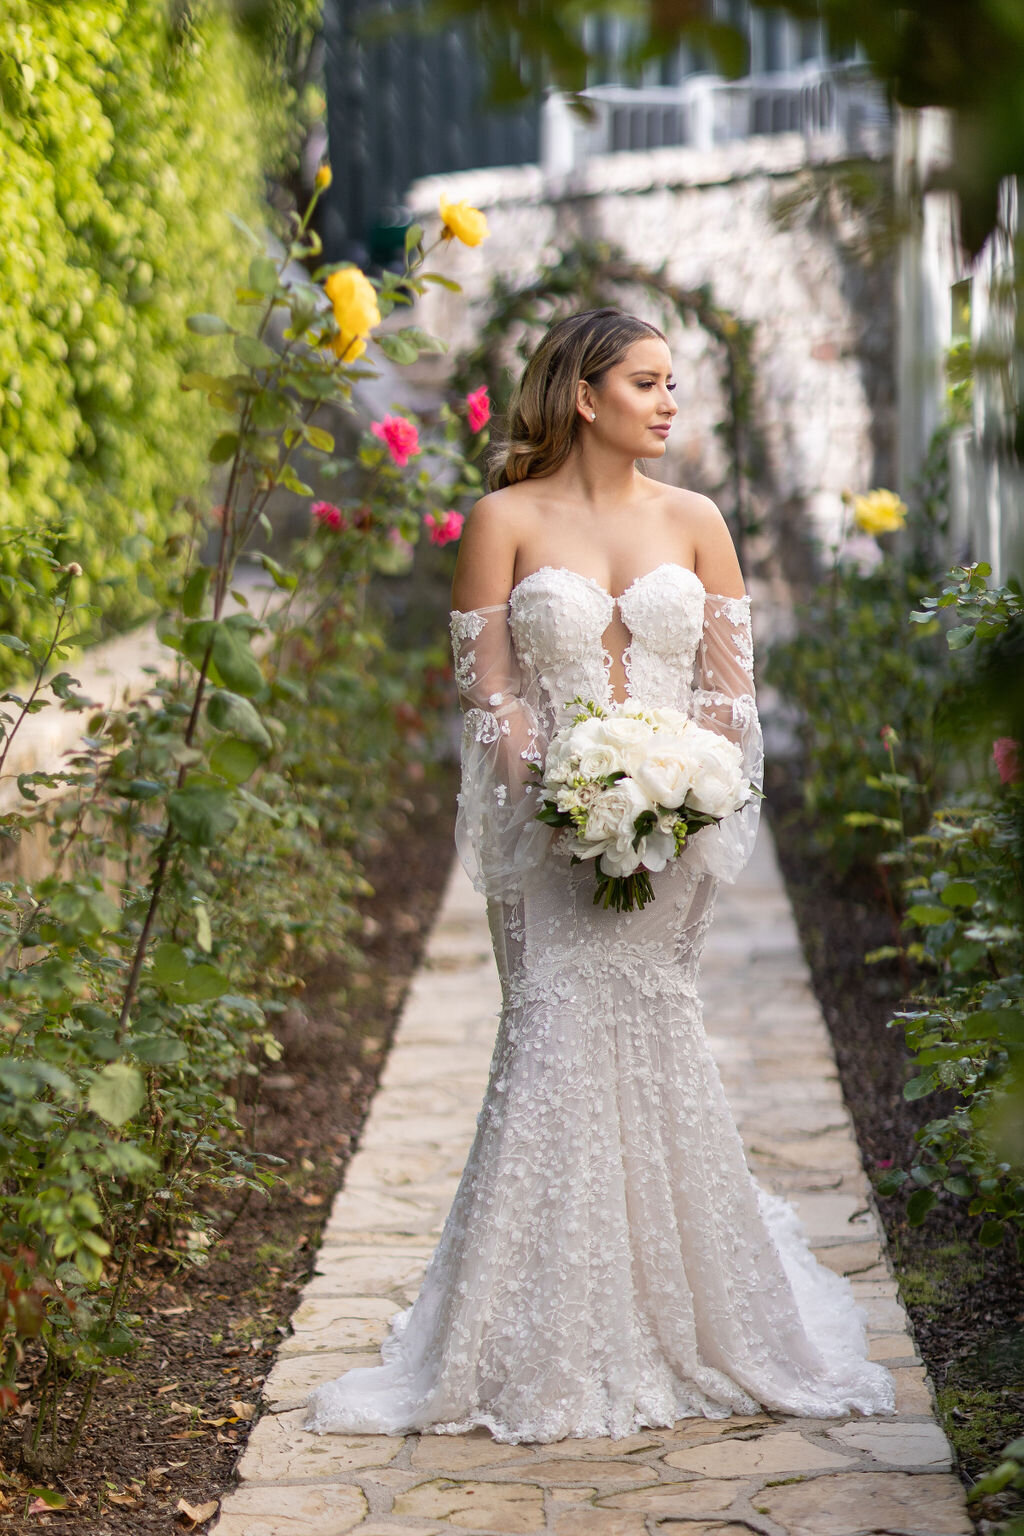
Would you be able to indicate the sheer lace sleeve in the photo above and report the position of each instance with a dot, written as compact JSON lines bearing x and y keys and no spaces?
{"x":723,"y":700}
{"x":496,"y":835}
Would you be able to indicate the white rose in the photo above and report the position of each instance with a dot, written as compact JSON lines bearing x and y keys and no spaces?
{"x":600,"y":759}
{"x":666,"y":773}
{"x":668,"y":719}
{"x":719,"y":786}
{"x":610,"y":825}
{"x":630,"y":737}
{"x":560,"y":764}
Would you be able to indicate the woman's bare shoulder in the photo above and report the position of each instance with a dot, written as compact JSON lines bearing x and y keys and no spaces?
{"x":703,"y":524}
{"x":491,"y":536}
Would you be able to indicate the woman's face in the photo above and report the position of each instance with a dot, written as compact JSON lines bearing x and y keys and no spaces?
{"x":633,"y":405}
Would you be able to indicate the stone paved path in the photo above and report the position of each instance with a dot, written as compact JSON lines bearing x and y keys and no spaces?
{"x":767,"y":1473}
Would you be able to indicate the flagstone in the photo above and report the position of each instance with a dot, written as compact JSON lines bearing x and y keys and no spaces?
{"x":854,"y":1259}
{"x":886,"y":1314}
{"x":396,"y":1528}
{"x":899,"y":1445}
{"x":280,"y":1449}
{"x":260,"y":1511}
{"x":784,"y":1451}
{"x":366,"y":1275}
{"x":394,"y":1167}
{"x":351,"y":1322}
{"x":293,"y":1377}
{"x":376,"y":1211}
{"x":604,"y":1475}
{"x":646,"y":1440}
{"x":703,"y":1496}
{"x":893,"y":1347}
{"x":459,"y":1453}
{"x":836,"y":1215}
{"x":849,"y":1503}
{"x":912,"y":1391}
{"x":504,"y":1507}
{"x":589,"y":1521}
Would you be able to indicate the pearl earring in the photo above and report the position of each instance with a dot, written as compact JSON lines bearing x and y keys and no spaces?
{"x":593,"y":415}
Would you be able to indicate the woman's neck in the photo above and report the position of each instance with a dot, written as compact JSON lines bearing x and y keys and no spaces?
{"x":599,"y":478}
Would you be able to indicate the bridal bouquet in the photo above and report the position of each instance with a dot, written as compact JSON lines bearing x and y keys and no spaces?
{"x":629,"y":785}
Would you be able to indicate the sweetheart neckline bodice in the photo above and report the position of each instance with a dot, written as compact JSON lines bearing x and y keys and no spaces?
{"x":592,"y":581}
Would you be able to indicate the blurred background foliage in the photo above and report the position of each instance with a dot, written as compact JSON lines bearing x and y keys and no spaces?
{"x":127,"y":132}
{"x":942,"y":53}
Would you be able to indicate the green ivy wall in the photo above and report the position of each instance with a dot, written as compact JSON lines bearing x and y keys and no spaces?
{"x":125,"y":140}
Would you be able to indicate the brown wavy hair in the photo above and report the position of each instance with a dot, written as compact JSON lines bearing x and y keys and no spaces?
{"x":542,"y":420}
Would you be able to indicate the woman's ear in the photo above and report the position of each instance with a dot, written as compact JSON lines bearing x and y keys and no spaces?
{"x":585,"y":401}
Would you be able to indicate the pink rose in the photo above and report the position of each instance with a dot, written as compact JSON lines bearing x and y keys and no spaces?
{"x":328,"y":515}
{"x":443,"y":526}
{"x":1006,"y":753}
{"x":479,"y":407}
{"x":401,"y":436}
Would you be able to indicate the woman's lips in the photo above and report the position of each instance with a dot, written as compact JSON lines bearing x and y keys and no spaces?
{"x":662,"y":431}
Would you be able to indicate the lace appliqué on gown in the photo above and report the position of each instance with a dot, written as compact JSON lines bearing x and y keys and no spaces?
{"x":609,"y":1263}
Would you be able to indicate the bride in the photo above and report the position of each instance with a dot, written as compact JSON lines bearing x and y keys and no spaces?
{"x":609,"y":1262}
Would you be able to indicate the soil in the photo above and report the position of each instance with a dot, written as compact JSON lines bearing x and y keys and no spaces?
{"x":172,"y":1425}
{"x":966,"y":1303}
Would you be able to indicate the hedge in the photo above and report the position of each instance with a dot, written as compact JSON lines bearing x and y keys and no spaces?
{"x":126,"y":138}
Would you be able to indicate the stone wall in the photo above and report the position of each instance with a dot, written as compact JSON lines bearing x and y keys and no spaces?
{"x":824,"y":314}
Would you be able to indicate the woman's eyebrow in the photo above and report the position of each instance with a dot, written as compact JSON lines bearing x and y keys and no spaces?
{"x":649,"y":373}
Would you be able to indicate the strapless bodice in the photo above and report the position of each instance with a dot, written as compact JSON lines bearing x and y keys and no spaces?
{"x":558,"y":618}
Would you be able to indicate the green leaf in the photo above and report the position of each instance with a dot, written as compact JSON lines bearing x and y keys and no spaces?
{"x":263,"y":274}
{"x":919,"y":1204}
{"x":927,"y":916}
{"x":991,"y":1234}
{"x":203,"y":983}
{"x":318,"y":438}
{"x":398,"y":348}
{"x":442,"y":282}
{"x":202,"y":814}
{"x":959,"y":636}
{"x":230,"y":712}
{"x":255,"y":354}
{"x":208,"y":325}
{"x":234,"y":664}
{"x":158,"y":1050}
{"x":169,"y":963}
{"x":959,"y":1185}
{"x":959,"y":893}
{"x":918,"y":1087}
{"x":235,"y":759}
{"x":413,"y":237}
{"x":195,"y":591}
{"x":117,"y":1093}
{"x":223,"y":448}
{"x":291,"y":482}
{"x":49,"y":1496}
{"x":204,"y":933}
{"x":13,"y":642}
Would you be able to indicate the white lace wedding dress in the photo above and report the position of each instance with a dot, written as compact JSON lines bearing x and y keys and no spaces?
{"x":609,"y":1262}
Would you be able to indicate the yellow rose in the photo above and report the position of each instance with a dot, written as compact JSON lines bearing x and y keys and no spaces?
{"x":323,"y":178}
{"x":462,"y":222}
{"x":354,"y":300}
{"x":879,"y":512}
